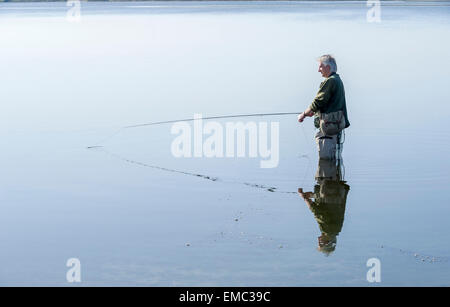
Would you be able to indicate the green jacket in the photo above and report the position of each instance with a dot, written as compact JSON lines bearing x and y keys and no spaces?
{"x":331,"y":97}
{"x":330,"y":197}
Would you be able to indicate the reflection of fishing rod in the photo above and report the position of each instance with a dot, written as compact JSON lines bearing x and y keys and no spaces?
{"x":212,"y":117}
{"x":193,"y":119}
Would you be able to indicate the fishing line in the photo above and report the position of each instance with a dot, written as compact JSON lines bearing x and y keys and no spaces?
{"x":416,"y":255}
{"x":202,"y":176}
{"x":307,"y":157}
{"x":267,"y":188}
{"x":105,"y":139}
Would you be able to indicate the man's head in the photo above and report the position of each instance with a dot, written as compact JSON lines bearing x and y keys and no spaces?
{"x":327,"y":65}
{"x":327,"y":244}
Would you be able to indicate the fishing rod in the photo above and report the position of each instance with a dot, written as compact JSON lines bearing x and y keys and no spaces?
{"x":193,"y":119}
{"x":212,"y":117}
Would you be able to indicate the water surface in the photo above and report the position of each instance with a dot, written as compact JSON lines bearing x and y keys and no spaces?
{"x":67,"y":85}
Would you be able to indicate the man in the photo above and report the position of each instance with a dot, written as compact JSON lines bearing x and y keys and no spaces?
{"x":331,"y":95}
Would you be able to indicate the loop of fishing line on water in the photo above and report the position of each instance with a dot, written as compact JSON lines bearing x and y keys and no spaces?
{"x":98,"y":146}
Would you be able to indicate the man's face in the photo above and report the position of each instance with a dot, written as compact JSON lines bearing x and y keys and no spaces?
{"x":324,"y":70}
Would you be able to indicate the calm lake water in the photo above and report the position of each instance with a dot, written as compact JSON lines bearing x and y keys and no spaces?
{"x":134,"y":214}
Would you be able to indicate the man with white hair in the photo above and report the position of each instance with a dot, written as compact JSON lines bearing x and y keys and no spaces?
{"x":331,"y":95}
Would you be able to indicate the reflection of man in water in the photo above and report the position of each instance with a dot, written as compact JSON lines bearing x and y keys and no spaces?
{"x":328,"y":206}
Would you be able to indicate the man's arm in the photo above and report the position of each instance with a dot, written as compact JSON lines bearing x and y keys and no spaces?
{"x":306,"y":197}
{"x":308,"y":112}
{"x":323,"y":95}
{"x":322,"y":98}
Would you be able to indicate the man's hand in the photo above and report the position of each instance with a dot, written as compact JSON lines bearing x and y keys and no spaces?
{"x":301,"y":117}
{"x":305,"y":195}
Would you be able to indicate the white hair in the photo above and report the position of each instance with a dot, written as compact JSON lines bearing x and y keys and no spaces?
{"x":329,"y":60}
